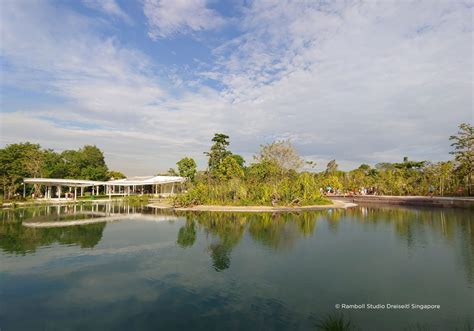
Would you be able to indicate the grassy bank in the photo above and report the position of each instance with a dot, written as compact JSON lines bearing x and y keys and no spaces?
{"x":302,"y":190}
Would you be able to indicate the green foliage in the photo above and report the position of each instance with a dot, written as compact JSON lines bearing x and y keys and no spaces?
{"x":18,"y":161}
{"x":218,"y":151}
{"x":335,"y":322}
{"x":85,"y":163}
{"x":229,"y":168}
{"x":255,"y":188}
{"x":463,"y":144}
{"x":187,"y":168}
{"x":263,"y":171}
{"x":112,"y":174}
{"x":274,"y":180}
{"x":239,"y":159}
{"x":136,"y":200}
{"x":332,"y":181}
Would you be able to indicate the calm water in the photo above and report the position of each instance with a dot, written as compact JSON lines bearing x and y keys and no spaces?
{"x":215,"y":271}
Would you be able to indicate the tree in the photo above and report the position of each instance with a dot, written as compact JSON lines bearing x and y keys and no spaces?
{"x":240,"y":160}
{"x":93,"y":163}
{"x":406,"y":164}
{"x":218,"y":150}
{"x":187,"y":168}
{"x":263,"y":171}
{"x":18,"y":161}
{"x":463,"y":143}
{"x":229,"y":168}
{"x":54,"y":165}
{"x":282,"y":153}
{"x":112,"y":174}
{"x":331,"y":167}
{"x":85,"y":163}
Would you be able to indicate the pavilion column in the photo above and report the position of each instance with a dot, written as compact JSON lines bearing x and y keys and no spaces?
{"x":172,"y":188}
{"x":59,"y":192}
{"x":75,"y":192}
{"x":82,"y":191}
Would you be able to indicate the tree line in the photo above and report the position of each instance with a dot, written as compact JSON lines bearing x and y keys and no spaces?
{"x":22,"y":160}
{"x":279,"y":176}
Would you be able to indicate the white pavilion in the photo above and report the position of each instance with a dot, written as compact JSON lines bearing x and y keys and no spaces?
{"x":160,"y":186}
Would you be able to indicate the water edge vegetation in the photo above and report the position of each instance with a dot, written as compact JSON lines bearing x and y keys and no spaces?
{"x":278,"y":176}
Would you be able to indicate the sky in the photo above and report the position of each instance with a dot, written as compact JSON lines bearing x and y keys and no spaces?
{"x":151,"y":81}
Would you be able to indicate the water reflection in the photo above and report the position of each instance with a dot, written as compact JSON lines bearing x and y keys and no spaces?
{"x":235,"y":270}
{"x":187,"y":234}
{"x":414,"y":227}
{"x":15,"y":238}
{"x":23,"y":230}
{"x":227,"y":231}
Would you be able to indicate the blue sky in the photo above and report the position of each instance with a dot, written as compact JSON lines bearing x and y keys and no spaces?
{"x":151,"y":81}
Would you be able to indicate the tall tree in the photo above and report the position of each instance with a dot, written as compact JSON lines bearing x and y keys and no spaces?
{"x":331,"y":167}
{"x":93,"y":163}
{"x":463,"y":143}
{"x":16,"y":162}
{"x":187,"y":168}
{"x":282,"y":153}
{"x":218,"y":151}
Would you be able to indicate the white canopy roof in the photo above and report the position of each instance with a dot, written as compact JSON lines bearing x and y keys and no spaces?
{"x":148,"y":180}
{"x":144,"y":180}
{"x":62,"y":181}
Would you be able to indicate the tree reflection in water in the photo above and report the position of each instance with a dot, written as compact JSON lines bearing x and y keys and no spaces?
{"x":280,"y":231}
{"x":415,"y":227}
{"x":18,"y":239}
{"x":15,"y":238}
{"x":187,"y":234}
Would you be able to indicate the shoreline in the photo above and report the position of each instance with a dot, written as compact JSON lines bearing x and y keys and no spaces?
{"x":338,"y":202}
{"x":256,"y":209}
{"x":418,"y":201}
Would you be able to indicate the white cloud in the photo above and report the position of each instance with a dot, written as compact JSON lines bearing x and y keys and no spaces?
{"x":110,"y":7}
{"x":170,"y":17}
{"x":358,"y":82}
{"x":351,"y":82}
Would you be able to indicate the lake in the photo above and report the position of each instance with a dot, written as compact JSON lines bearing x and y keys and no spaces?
{"x":137,"y":268}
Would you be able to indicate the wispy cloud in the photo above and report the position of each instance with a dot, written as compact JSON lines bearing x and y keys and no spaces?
{"x":359,"y":82}
{"x":170,"y":17}
{"x":109,"y":7}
